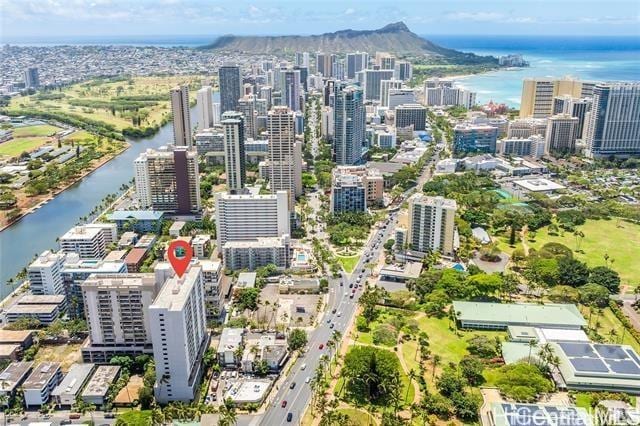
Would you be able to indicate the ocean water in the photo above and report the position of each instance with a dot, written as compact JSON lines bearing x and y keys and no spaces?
{"x":588,"y":58}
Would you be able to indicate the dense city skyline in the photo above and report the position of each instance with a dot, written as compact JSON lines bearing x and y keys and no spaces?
{"x":104,"y":18}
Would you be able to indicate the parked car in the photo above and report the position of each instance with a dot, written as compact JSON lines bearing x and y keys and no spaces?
{"x":284,"y":403}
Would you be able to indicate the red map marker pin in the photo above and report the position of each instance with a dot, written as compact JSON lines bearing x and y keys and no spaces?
{"x":183,"y":249}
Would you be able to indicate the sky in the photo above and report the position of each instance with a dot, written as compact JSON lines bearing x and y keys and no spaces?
{"x":70,"y":18}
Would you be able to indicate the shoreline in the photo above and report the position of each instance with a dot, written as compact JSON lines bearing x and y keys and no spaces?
{"x":57,"y":192}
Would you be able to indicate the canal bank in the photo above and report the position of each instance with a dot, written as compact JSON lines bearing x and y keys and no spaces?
{"x":39,"y":231}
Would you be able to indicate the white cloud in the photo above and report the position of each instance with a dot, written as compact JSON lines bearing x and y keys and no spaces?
{"x":350,"y":11}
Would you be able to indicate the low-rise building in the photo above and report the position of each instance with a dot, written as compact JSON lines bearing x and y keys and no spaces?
{"x":140,"y":221}
{"x":40,"y":384}
{"x":498,"y":316}
{"x":44,"y":308}
{"x":231,"y":340}
{"x":12,"y":377}
{"x":256,"y":253}
{"x":97,"y":389}
{"x":66,"y":393}
{"x":201,"y":245}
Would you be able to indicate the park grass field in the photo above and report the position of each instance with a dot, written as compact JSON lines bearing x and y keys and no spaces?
{"x":37,"y":130}
{"x":609,"y":327}
{"x":26,"y":139}
{"x":348,"y":262}
{"x":358,"y":417}
{"x":136,"y":417}
{"x":105,"y":91}
{"x":617,"y":238}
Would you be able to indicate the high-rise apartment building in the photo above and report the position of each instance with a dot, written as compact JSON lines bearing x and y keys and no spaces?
{"x":348,"y":193}
{"x":167,"y":179}
{"x":469,"y":137}
{"x":349,"y":125}
{"x":431,"y":224}
{"x":356,"y":62}
{"x":230,"y":82}
{"x":116,"y":307}
{"x":533,"y":146}
{"x":45,"y":273}
{"x":205,"y":108}
{"x":291,"y":89}
{"x":575,"y":108}
{"x":181,"y":116}
{"x":247,"y":107}
{"x":561,"y":133}
{"x":234,"y":150}
{"x":400,"y":97}
{"x":31,"y":78}
{"x":403,"y":70}
{"x":525,"y":127}
{"x":613,"y":125}
{"x":302,"y":59}
{"x":87,"y":242}
{"x":249,"y":216}
{"x":283,"y":173}
{"x":411,"y":115}
{"x":323,"y":64}
{"x":179,"y":336}
{"x":385,"y":87}
{"x":373,"y":83}
{"x":538,"y":94}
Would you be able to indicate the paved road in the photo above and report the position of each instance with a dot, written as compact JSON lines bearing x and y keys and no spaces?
{"x":299,"y":397}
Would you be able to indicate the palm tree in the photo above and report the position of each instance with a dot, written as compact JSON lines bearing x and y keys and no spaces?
{"x":435,"y":361}
{"x":412,"y":375}
{"x":157,"y":417}
{"x":532,"y":344}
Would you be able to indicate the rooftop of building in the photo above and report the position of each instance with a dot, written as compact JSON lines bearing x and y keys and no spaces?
{"x":74,"y":379}
{"x":117,"y":281}
{"x":135,"y":255}
{"x":14,"y":336}
{"x":436,"y":201}
{"x":551,"y":314}
{"x":261,"y":242}
{"x":8,"y":349}
{"x":538,"y":184}
{"x":135,"y":214}
{"x":41,"y":375}
{"x":176,"y":290}
{"x":47,"y":259}
{"x":32,"y":309}
{"x":230,"y":339}
{"x":101,"y":380}
{"x":81,"y":233}
{"x":246,"y":279}
{"x":408,"y":270}
{"x":13,"y":374}
{"x":41,"y":299}
{"x":248,"y":391}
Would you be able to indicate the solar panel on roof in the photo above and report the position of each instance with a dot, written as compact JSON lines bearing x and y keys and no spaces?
{"x":612,"y":352}
{"x":589,"y":365}
{"x":624,"y":367}
{"x":634,"y":356}
{"x":578,"y":349}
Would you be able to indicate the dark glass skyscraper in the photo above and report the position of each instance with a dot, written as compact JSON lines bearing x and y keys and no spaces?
{"x":350,"y":122}
{"x":230,"y":87}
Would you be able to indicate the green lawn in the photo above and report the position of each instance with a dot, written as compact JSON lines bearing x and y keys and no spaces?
{"x":17,"y":146}
{"x":358,"y":417}
{"x":607,"y":322}
{"x":619,"y":239}
{"x":136,"y":418}
{"x":37,"y":130}
{"x":348,"y":262}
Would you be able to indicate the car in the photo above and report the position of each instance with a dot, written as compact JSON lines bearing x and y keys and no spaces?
{"x":350,"y":285}
{"x":358,"y":280}
{"x":341,"y":283}
{"x":331,"y":326}
{"x":303,"y":366}
{"x":308,"y":379}
{"x":289,"y":417}
{"x":293,"y":385}
{"x":333,"y":311}
{"x":109,"y":415}
{"x":339,"y":314}
{"x":328,"y":320}
{"x":351,"y":296}
{"x":284,"y":403}
{"x":75,"y":416}
{"x":353,"y":291}
{"x":362,"y":271}
{"x":321,"y":346}
{"x":65,"y":422}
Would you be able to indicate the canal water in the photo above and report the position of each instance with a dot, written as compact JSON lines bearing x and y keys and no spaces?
{"x":38,"y":231}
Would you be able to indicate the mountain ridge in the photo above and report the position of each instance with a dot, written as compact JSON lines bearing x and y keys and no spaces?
{"x":395,"y":38}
